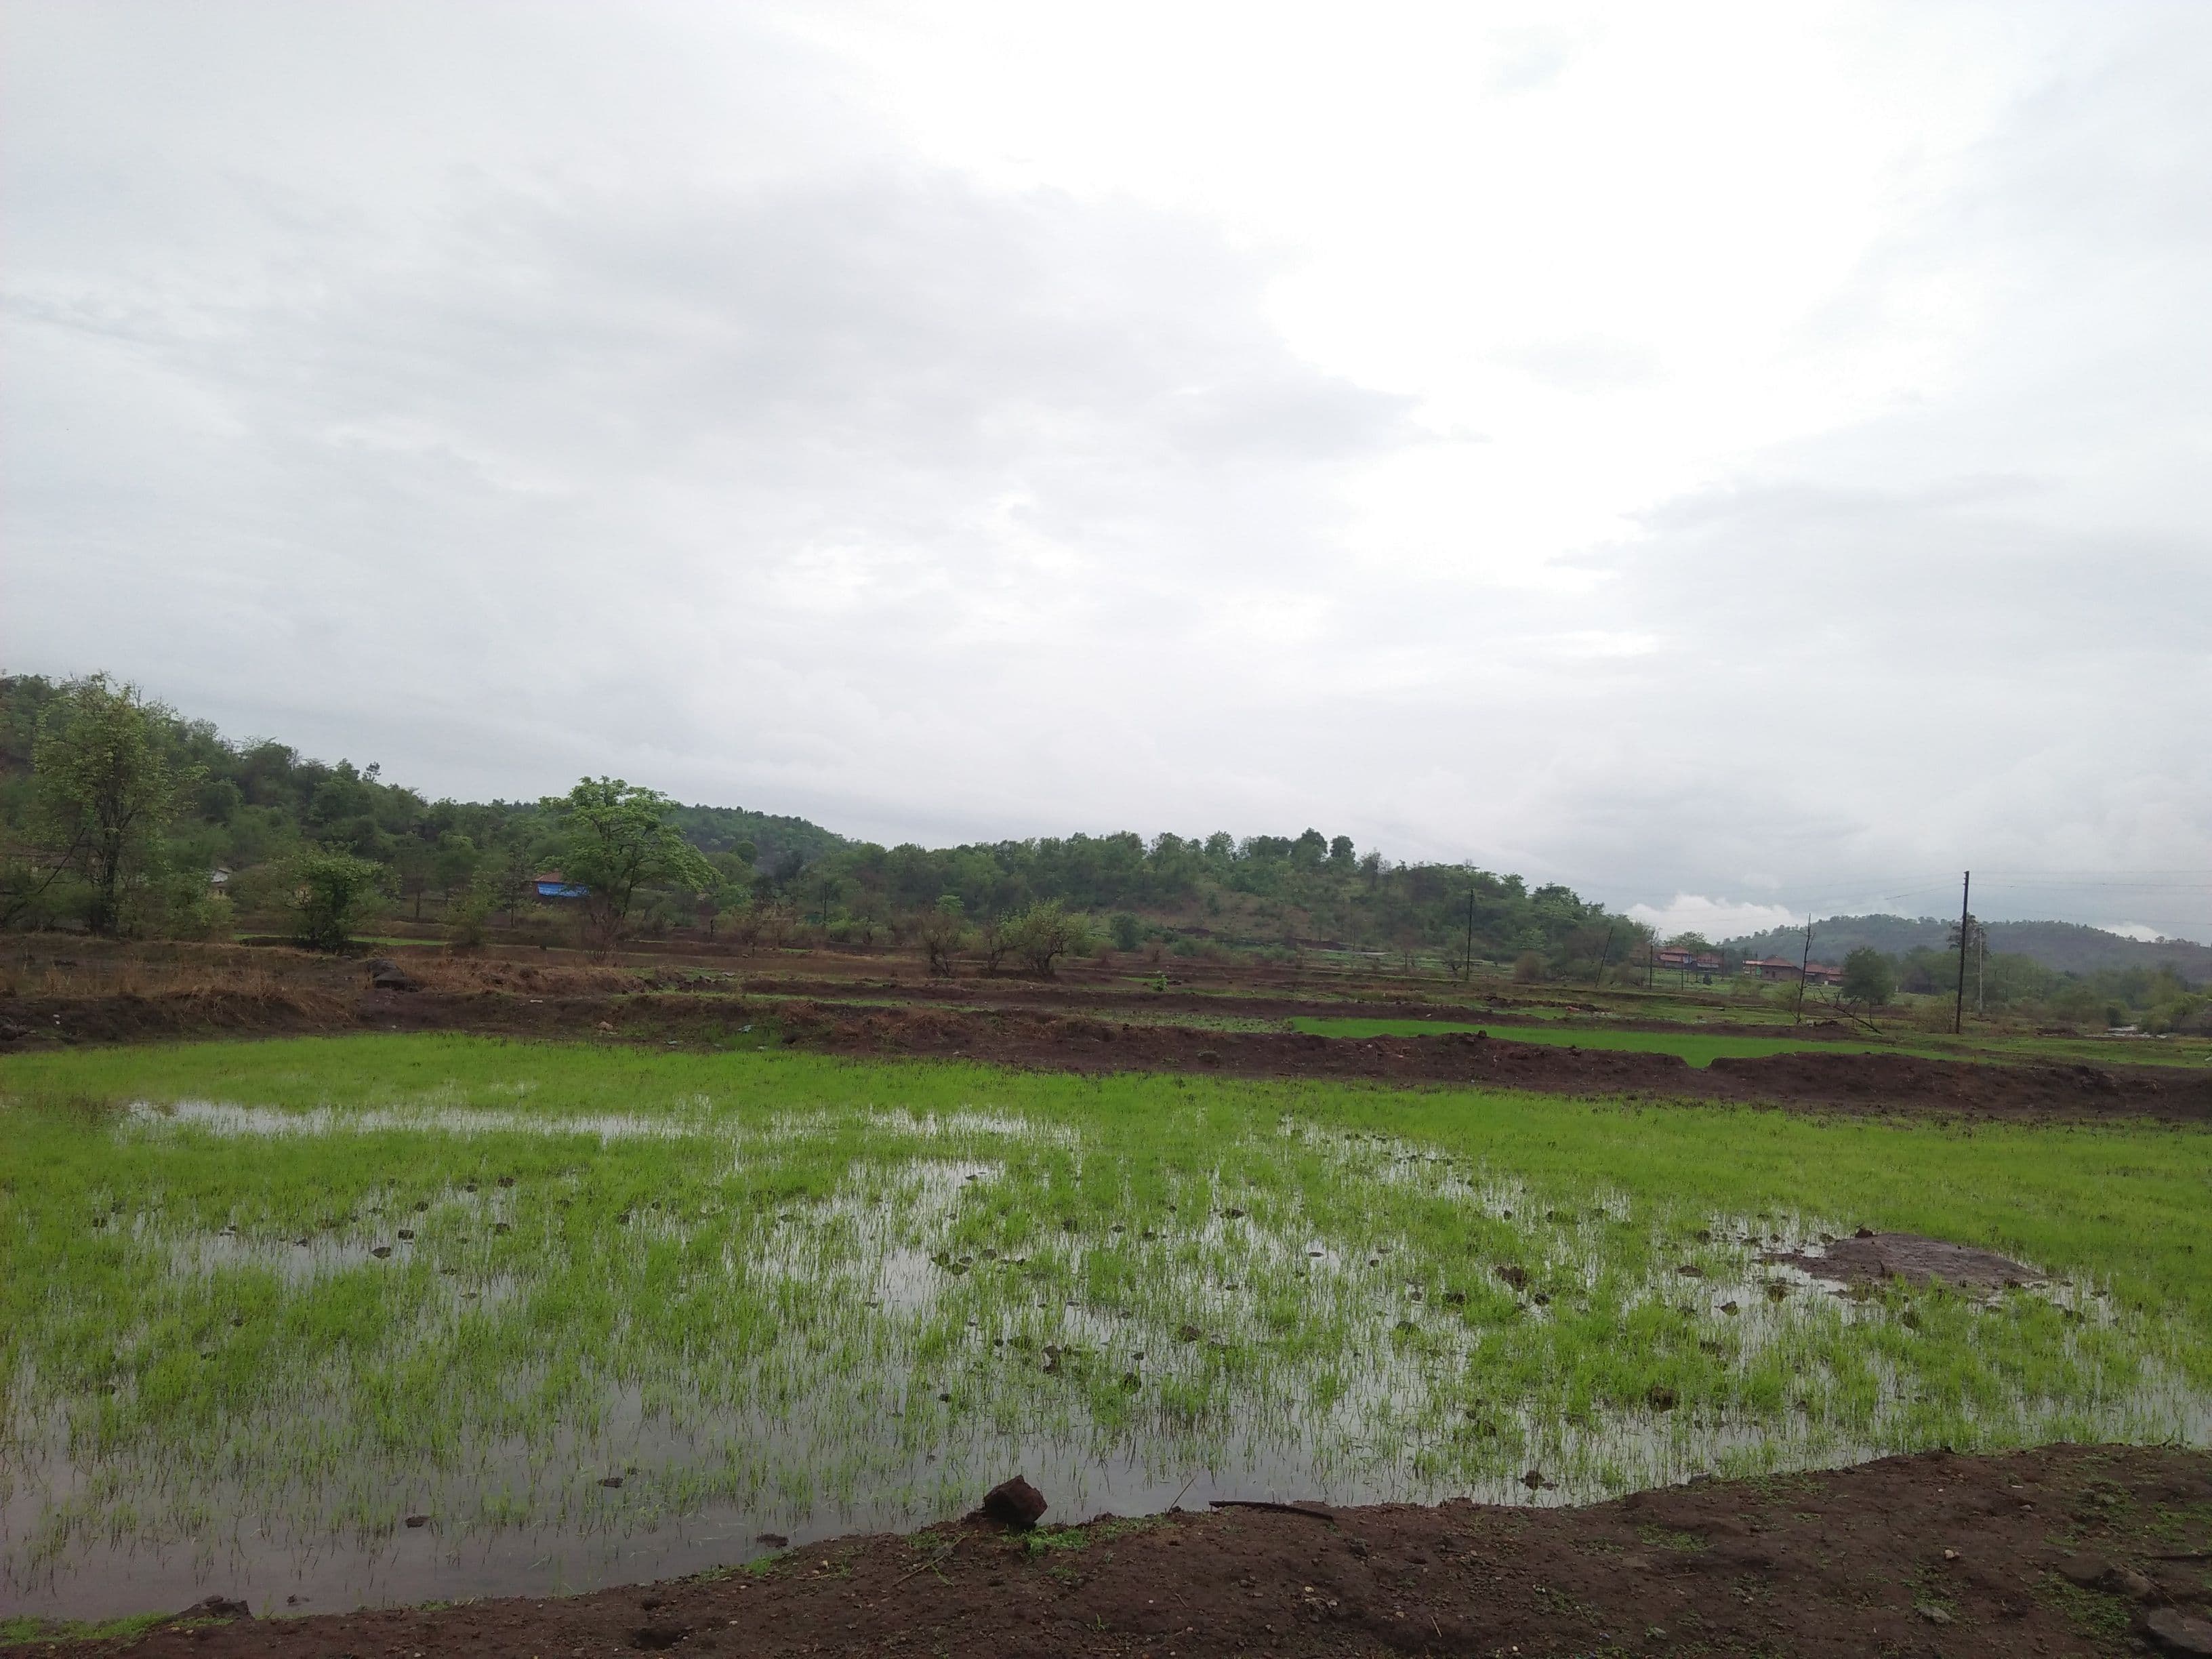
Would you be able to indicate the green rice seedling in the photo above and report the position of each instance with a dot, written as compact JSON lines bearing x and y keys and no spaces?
{"x":595,"y":1312}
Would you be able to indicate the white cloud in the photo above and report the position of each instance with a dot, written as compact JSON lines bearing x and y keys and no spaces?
{"x":1716,"y":917}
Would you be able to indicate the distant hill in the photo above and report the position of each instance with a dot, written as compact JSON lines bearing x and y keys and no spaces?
{"x":2068,"y":946}
{"x":778,"y":842}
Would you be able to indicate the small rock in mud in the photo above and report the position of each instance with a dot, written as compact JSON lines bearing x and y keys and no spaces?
{"x":610,"y":1480}
{"x":1189,"y":1333}
{"x":775,"y":1541}
{"x":379,"y":1251}
{"x":1014,"y":1504}
{"x":1660,"y":1397}
{"x":407,"y":1232}
{"x":1691,"y":1270}
{"x":1534,"y":1480}
{"x":2176,"y":1631}
{"x":418,"y":1520}
{"x":1516,"y":1277}
{"x":501,"y":1227}
{"x":652,"y":1637}
{"x":217,"y":1606}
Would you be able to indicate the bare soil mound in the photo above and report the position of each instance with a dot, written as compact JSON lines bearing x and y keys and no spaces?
{"x":1845,"y":1080}
{"x":2063,"y":1550}
{"x":1871,"y":1257}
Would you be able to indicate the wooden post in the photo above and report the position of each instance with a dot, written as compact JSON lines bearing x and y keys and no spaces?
{"x":1803,"y":964}
{"x":1959,"y":1013}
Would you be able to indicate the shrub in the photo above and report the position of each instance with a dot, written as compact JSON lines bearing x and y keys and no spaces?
{"x":471,"y":916}
{"x":1869,"y":977}
{"x":1044,"y":932}
{"x":333,"y":893}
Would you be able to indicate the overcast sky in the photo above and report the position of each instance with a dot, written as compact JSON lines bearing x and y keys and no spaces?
{"x":1733,"y":460}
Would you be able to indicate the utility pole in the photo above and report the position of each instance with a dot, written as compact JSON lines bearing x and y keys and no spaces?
{"x":1802,"y":967}
{"x":1981,"y":961}
{"x":1602,"y":957}
{"x":1959,"y":1013}
{"x":1467,"y":959}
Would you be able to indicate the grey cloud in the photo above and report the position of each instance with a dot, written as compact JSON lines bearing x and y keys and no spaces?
{"x":708,"y":437}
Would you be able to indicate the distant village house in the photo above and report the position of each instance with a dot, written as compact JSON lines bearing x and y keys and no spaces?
{"x":1781,"y":968}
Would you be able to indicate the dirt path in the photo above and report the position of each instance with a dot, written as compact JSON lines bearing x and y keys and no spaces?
{"x":2059,"y":1551}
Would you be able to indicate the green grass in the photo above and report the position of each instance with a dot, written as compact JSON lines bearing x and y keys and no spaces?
{"x":798,"y":1288}
{"x":1697,"y":1048}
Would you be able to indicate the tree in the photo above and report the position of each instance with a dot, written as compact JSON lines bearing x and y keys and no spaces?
{"x":333,"y":893}
{"x":995,"y":937}
{"x":416,"y":863}
{"x":1869,"y":977}
{"x":942,"y":929}
{"x":455,"y":866}
{"x":106,"y":788}
{"x":615,"y":837}
{"x":1044,"y":931}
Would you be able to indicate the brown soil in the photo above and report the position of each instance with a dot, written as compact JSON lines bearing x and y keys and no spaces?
{"x":1871,"y":1257}
{"x":1881,"y":1084}
{"x":2064,"y":1550}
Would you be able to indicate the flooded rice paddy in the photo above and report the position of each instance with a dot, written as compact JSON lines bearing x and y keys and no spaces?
{"x":343,"y":1322}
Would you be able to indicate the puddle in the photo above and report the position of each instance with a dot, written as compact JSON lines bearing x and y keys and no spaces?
{"x":224,"y":1118}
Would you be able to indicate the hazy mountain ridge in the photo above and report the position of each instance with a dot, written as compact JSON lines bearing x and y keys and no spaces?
{"x":2066,"y":946}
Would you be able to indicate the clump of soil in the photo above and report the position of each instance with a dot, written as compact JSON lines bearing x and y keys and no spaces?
{"x":1871,"y":1257}
{"x":2066,"y":1550}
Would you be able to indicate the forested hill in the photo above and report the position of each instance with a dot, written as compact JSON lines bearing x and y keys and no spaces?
{"x":262,"y":800}
{"x":2068,"y":947}
{"x":257,"y":807}
{"x":780,"y":844}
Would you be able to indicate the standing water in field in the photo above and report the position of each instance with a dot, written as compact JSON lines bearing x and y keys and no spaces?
{"x":467,"y":1341}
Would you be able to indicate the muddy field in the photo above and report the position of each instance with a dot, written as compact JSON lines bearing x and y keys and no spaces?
{"x":2063,"y":1550}
{"x":2059,"y":1551}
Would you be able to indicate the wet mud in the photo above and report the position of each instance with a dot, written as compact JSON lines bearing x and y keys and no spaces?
{"x":2063,"y":1550}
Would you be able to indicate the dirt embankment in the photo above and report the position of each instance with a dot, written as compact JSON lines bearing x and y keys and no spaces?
{"x":1846,"y":1080}
{"x":1044,"y":1041}
{"x":2064,"y":1550}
